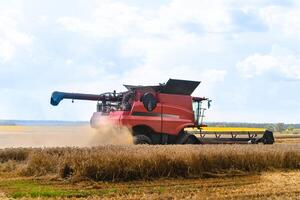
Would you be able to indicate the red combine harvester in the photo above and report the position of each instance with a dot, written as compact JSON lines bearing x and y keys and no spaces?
{"x":164,"y":114}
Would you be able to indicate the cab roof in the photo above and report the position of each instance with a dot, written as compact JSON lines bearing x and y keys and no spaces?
{"x":173,"y":86}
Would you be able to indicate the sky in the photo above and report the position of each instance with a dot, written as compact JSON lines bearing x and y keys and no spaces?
{"x":246,"y":53}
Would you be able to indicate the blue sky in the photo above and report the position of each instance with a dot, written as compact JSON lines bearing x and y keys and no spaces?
{"x":246,"y":53}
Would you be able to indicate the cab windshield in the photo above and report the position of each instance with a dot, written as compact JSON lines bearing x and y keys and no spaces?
{"x":199,"y":107}
{"x":197,"y":111}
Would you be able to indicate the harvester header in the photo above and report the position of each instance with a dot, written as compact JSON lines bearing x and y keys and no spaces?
{"x":163,"y":114}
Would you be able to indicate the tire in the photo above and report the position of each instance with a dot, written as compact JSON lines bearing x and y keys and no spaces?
{"x":191,"y":139}
{"x":268,"y":137}
{"x":186,"y":138}
{"x":141,"y":139}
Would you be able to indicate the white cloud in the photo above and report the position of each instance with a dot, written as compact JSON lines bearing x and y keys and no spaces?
{"x":282,"y":19}
{"x":6,"y":50}
{"x":109,"y":19}
{"x":11,"y":38}
{"x":212,"y":15}
{"x":279,"y":62}
{"x":69,"y":61}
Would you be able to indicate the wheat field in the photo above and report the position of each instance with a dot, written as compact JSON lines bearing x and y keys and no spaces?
{"x":146,"y":162}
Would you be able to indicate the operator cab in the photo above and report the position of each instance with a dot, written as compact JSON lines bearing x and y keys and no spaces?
{"x":200,"y":105}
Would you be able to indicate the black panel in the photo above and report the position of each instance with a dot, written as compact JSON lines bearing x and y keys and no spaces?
{"x":182,"y":87}
{"x":148,"y":114}
{"x":173,"y":86}
{"x":156,"y":88}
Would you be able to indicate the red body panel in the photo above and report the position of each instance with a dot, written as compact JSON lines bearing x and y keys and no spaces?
{"x":171,"y":115}
{"x":133,"y":119}
{"x":177,"y":112}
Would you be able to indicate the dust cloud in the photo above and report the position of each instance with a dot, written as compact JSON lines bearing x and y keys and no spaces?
{"x":110,"y":134}
{"x":62,"y":136}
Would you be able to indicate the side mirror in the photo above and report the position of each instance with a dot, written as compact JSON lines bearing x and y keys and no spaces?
{"x":209,"y":103}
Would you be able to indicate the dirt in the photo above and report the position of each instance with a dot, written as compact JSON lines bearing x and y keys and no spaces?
{"x":268,"y":185}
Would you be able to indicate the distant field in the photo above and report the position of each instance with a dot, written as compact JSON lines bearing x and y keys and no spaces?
{"x":287,"y":138}
{"x":79,"y":135}
{"x":8,"y":129}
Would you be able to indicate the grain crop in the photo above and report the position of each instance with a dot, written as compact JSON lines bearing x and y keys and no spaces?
{"x":146,"y":162}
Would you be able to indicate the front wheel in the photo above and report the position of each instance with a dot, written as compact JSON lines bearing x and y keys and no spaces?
{"x":186,"y":138}
{"x":141,"y":139}
{"x":192,"y":140}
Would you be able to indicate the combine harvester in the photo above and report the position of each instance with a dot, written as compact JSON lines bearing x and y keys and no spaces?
{"x":164,"y":114}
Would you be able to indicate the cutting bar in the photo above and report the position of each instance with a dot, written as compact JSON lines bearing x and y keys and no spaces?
{"x":220,"y":135}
